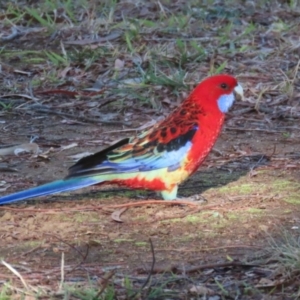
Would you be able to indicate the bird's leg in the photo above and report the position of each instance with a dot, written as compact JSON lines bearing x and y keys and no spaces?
{"x":171,"y":194}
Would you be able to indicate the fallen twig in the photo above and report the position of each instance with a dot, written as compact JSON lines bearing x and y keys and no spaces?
{"x":150,"y":272}
{"x":152,"y":265}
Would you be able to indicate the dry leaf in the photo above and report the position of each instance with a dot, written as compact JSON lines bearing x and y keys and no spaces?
{"x":71,"y":122}
{"x":201,"y":290}
{"x":22,"y":72}
{"x":131,"y":81}
{"x":17,"y":149}
{"x":265,"y":282}
{"x":5,"y":188}
{"x":64,"y":72}
{"x":44,"y":155}
{"x":117,"y":214}
{"x":119,"y":64}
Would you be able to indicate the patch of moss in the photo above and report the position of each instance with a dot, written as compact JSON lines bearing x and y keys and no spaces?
{"x":141,"y":244}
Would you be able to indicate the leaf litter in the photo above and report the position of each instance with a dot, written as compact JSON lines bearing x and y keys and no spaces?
{"x":251,"y":179}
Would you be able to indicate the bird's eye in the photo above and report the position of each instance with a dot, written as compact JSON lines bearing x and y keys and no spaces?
{"x":224,"y":86}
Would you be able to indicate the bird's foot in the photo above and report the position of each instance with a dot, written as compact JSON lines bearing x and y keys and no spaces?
{"x":194,"y":198}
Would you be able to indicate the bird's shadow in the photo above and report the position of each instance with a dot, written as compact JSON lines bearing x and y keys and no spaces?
{"x":218,"y":176}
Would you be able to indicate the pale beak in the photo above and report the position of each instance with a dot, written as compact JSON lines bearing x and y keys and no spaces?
{"x":239,"y":92}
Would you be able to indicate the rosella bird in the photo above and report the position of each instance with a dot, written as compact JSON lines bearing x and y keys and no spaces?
{"x":159,"y":158}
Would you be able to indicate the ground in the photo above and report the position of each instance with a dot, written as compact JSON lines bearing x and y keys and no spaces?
{"x":112,"y":243}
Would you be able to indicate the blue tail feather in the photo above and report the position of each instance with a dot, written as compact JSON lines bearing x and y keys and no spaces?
{"x":51,"y":188}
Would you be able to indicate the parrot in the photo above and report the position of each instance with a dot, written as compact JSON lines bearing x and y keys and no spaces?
{"x":159,"y":158}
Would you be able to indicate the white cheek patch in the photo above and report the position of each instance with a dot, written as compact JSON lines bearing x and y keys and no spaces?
{"x":225,"y":102}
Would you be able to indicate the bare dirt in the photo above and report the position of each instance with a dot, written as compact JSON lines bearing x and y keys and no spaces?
{"x":139,"y":59}
{"x":251,"y":179}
